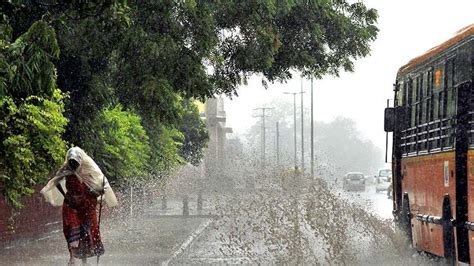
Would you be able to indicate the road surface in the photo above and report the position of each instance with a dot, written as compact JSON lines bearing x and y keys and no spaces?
{"x":312,"y":226}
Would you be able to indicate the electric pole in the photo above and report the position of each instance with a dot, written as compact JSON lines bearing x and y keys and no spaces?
{"x":263,"y":138}
{"x":302,"y":128}
{"x":312,"y":132}
{"x":278,"y":144}
{"x":294,"y":125}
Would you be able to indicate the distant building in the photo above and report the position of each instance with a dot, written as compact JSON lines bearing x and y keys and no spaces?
{"x":214,"y":173}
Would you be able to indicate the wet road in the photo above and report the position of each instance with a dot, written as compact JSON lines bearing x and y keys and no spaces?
{"x":377,"y":203}
{"x":246,"y":227}
{"x":148,"y":239}
{"x":306,"y":243}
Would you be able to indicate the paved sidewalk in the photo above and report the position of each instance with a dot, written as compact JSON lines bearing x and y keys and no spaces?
{"x":153,"y":238}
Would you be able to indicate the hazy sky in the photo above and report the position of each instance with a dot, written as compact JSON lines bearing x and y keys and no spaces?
{"x":408,"y":28}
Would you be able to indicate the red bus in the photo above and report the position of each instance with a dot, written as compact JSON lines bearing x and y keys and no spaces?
{"x":433,"y":148}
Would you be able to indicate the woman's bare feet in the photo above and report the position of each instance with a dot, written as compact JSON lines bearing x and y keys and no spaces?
{"x":71,"y":259}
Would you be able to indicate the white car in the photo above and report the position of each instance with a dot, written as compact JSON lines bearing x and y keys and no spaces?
{"x":383,"y":180}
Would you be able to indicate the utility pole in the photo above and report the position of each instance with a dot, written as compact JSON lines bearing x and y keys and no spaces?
{"x":312,"y":132}
{"x":302,"y":128}
{"x":278,"y":144}
{"x":294,"y":125}
{"x":263,"y":138}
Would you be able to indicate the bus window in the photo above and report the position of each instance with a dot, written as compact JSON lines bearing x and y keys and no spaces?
{"x":419,"y":92}
{"x":415,"y":113}
{"x":403,"y":91}
{"x":445,"y":104}
{"x":412,"y":97}
{"x":435,"y":106}
{"x":429,"y":109}
{"x":450,"y":103}
{"x":429,"y":87}
{"x":438,"y":77}
{"x":408,"y":103}
{"x":419,"y":88}
{"x":399,"y":96}
{"x":446,"y":140}
{"x":450,"y":72}
{"x":451,"y":95}
{"x":440,"y":105}
{"x":424,"y":91}
{"x":422,"y":114}
{"x":425,"y":100}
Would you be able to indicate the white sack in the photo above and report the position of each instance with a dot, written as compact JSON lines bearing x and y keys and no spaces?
{"x":87,"y":172}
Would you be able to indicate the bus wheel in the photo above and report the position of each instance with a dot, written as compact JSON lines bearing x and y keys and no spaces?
{"x":448,"y":234}
{"x":405,"y":219}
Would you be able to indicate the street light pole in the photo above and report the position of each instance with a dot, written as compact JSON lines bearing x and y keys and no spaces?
{"x":263,"y":138}
{"x":278,"y":144}
{"x":312,"y":132}
{"x":294,"y":126}
{"x":302,"y":129}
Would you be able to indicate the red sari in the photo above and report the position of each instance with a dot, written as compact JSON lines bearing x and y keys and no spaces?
{"x":80,"y":225}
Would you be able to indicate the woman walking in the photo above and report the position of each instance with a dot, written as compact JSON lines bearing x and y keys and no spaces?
{"x":78,"y":186}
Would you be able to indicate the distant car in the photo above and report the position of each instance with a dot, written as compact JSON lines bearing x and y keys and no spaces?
{"x":383,"y":180}
{"x":353,"y":181}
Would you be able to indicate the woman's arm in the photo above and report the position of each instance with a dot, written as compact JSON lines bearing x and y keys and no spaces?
{"x":67,"y":198}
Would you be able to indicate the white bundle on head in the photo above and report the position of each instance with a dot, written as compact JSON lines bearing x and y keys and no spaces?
{"x":87,"y":171}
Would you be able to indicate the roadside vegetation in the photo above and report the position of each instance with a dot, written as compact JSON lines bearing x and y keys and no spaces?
{"x":119,"y":78}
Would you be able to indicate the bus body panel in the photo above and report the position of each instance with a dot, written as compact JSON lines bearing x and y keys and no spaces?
{"x":471,"y":199}
{"x":424,"y":181}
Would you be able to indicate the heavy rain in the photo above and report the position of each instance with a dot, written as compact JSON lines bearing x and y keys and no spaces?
{"x":236,"y":132}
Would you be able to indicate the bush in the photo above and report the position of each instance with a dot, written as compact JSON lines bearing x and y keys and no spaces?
{"x":31,"y":110}
{"x":32,"y":145}
{"x":122,"y":149}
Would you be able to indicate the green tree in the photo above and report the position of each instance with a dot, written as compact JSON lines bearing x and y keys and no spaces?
{"x":31,"y":110}
{"x":153,"y":56}
{"x":123,"y":147}
{"x":199,"y":48}
{"x":195,"y":133}
{"x":203,"y":48}
{"x":275,"y":37}
{"x":165,"y":144}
